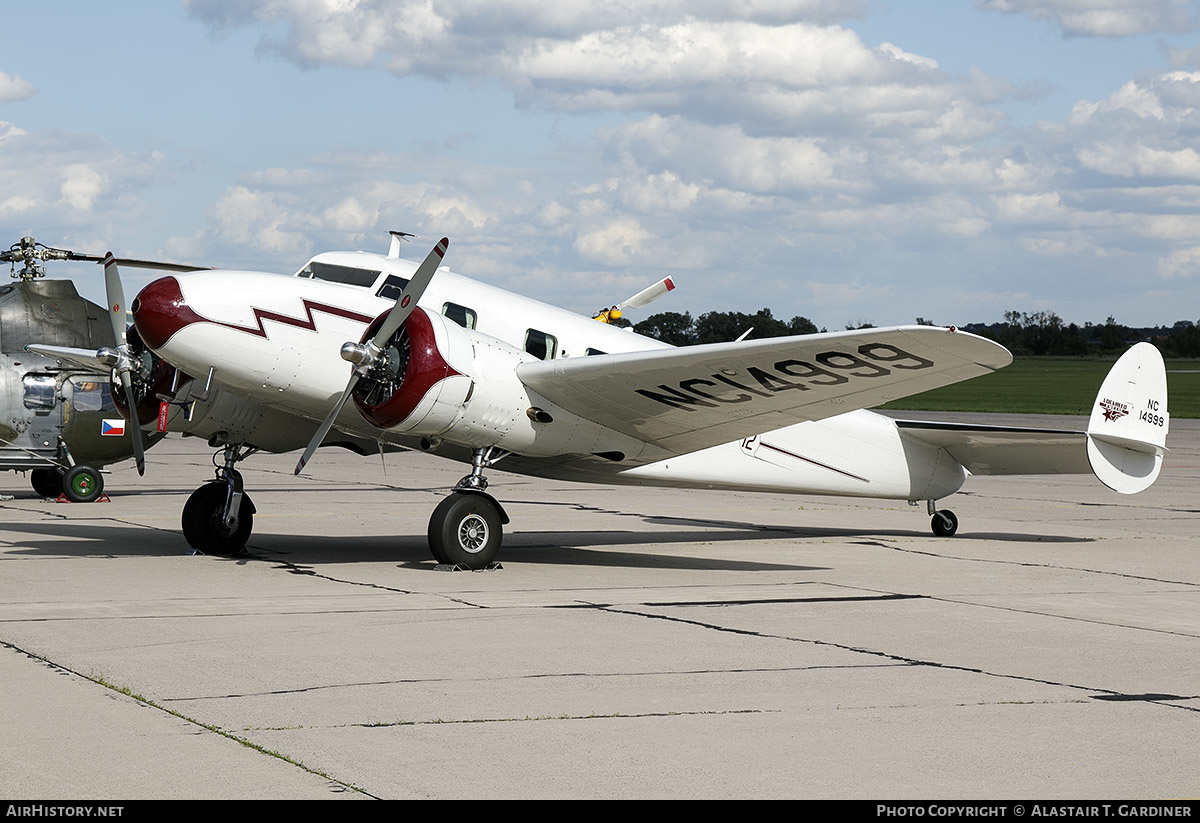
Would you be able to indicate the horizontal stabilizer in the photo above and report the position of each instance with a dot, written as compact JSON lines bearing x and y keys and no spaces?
{"x":983,"y":449}
{"x":1127,"y":432}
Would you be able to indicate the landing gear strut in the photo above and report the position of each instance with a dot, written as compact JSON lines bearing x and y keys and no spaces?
{"x":943,"y":522}
{"x":466,"y":528}
{"x":219,"y":516}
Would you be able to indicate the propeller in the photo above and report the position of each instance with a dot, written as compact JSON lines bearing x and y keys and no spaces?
{"x":648,"y":295}
{"x":122,"y":359}
{"x":365,"y":355}
{"x":643,"y":298}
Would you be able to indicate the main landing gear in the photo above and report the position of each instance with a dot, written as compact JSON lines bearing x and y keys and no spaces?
{"x":943,"y":522}
{"x":466,"y":528}
{"x":219,"y":516}
{"x":81,"y":484}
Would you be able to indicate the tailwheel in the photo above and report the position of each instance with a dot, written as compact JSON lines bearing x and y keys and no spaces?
{"x":83,"y":484}
{"x":944,"y":523}
{"x":205,"y":524}
{"x":466,"y":530}
{"x":47,"y":482}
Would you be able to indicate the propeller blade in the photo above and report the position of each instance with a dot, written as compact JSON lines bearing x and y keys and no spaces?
{"x":135,"y":430}
{"x":648,"y":295}
{"x":116,"y":298}
{"x":326,"y":424}
{"x":407,"y":301}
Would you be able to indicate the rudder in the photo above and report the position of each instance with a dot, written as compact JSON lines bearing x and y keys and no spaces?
{"x":1127,"y":432}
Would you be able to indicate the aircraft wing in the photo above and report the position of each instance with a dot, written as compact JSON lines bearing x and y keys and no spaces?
{"x":1005,"y":449}
{"x":694,"y":397}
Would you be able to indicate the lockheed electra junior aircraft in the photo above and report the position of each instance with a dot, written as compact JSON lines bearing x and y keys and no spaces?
{"x":444,"y":364}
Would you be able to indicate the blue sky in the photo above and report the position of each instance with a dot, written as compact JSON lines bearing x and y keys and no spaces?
{"x":847,"y":160}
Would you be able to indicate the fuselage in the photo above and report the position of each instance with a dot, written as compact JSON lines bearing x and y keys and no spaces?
{"x":267,"y":348}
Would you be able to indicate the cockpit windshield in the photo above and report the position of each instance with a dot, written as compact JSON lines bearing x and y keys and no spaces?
{"x":339,"y":274}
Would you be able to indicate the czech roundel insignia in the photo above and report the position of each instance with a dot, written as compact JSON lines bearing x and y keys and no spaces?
{"x":113,"y":428}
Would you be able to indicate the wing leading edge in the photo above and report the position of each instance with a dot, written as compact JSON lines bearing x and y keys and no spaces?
{"x":691,"y":398}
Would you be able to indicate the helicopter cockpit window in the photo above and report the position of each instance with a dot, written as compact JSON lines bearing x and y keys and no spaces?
{"x":39,"y":391}
{"x":339,"y":274}
{"x":89,"y":394}
{"x":392,"y":287}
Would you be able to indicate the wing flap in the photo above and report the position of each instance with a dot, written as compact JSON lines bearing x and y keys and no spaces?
{"x":691,"y":398}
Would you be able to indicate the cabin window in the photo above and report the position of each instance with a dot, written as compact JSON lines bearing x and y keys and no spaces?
{"x":392,"y":287}
{"x":39,"y":392}
{"x":592,"y":351}
{"x":339,"y":274}
{"x":541,"y":345}
{"x":460,"y":314}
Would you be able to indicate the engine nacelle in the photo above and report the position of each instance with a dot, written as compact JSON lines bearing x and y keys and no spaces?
{"x":431,"y":373}
{"x":436,"y":378}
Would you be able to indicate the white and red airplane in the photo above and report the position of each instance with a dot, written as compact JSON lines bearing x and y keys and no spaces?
{"x":254,"y":361}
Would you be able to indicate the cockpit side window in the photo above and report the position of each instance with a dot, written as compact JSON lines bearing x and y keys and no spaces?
{"x":392,"y":287}
{"x":460,"y":314}
{"x":339,"y":274}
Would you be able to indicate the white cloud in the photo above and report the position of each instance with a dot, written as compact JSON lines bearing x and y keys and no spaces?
{"x":1180,"y":263}
{"x":619,"y":242}
{"x":81,"y":185}
{"x":13,"y":88}
{"x":1104,"y":18}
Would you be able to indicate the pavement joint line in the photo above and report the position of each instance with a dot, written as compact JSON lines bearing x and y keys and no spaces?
{"x":385,"y":724}
{"x":1063,"y":616}
{"x":1025,"y":564}
{"x":1096,"y":693}
{"x":536,"y":676}
{"x":127,"y":692}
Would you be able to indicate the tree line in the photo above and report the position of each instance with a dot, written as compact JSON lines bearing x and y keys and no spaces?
{"x":1041,"y":333}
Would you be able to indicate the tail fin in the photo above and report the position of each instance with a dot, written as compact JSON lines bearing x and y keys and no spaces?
{"x":1127,"y":433}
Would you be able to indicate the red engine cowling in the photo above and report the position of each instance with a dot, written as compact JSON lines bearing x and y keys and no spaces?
{"x":406,"y":386}
{"x":436,"y":378}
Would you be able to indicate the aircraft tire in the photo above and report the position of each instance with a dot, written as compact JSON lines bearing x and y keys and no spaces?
{"x":465,"y":530}
{"x":47,"y":482}
{"x":202,"y":526}
{"x":944,"y":523}
{"x":83,"y":484}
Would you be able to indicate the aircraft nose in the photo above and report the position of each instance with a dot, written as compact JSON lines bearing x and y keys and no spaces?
{"x":159,"y":311}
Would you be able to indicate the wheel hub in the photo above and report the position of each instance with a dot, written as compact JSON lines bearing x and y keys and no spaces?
{"x":472,"y":533}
